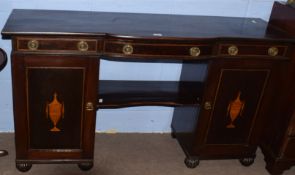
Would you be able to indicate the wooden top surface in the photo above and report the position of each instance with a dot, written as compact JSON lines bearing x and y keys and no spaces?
{"x":56,"y":22}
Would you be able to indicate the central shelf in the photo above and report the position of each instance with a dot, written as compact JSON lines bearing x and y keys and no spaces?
{"x":118,"y":94}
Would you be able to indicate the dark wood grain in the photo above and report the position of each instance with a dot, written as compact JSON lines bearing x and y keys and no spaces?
{"x":54,"y":22}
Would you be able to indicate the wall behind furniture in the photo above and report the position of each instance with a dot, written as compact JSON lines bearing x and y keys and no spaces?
{"x":136,"y":119}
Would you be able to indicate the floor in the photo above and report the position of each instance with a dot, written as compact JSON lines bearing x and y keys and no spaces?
{"x":135,"y":154}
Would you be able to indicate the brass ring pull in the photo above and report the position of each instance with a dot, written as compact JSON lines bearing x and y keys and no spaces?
{"x":89,"y":106}
{"x":273,"y":51}
{"x":127,"y":49}
{"x":195,"y":51}
{"x":33,"y":45}
{"x":82,"y":46}
{"x":233,"y":50}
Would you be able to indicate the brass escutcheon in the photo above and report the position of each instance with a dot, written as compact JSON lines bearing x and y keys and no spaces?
{"x":195,"y":51}
{"x":33,"y":45}
{"x":82,"y":46}
{"x":207,"y":105}
{"x":89,"y":106}
{"x":233,"y":50}
{"x":273,"y":51}
{"x":127,"y":49}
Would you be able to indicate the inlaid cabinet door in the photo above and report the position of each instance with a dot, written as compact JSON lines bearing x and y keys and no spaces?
{"x":236,"y":103}
{"x":232,"y":104}
{"x":58,"y":111}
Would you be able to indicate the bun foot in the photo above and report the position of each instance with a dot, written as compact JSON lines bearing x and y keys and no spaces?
{"x":23,"y":167}
{"x":192,"y":162}
{"x":85,"y":166}
{"x":247,"y":161}
{"x":3,"y":153}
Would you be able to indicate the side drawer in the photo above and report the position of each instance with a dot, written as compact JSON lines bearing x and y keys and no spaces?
{"x":133,"y":49}
{"x":61,"y":45}
{"x":266,"y":50}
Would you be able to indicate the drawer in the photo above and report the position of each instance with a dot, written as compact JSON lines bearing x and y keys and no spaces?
{"x":252,"y":50}
{"x":289,"y":151}
{"x":132,"y":49}
{"x":58,"y":45}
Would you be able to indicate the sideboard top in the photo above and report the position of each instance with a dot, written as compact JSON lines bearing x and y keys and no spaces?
{"x":57,"y":22}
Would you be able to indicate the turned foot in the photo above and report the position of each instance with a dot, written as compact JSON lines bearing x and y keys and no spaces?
{"x":23,"y":167}
{"x":247,"y":161}
{"x":85,"y":166}
{"x":3,"y":153}
{"x":191,"y":162}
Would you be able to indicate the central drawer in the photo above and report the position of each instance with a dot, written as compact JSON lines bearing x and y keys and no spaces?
{"x":157,"y":49}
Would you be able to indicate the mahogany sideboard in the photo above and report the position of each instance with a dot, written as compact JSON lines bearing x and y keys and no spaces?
{"x":55,"y":63}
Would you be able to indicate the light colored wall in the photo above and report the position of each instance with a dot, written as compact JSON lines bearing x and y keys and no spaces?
{"x":137,"y":119}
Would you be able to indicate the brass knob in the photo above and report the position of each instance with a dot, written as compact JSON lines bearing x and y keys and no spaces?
{"x":89,"y":106}
{"x":195,"y":51}
{"x":33,"y":45}
{"x":82,"y":46}
{"x":233,"y":50}
{"x":127,"y":49}
{"x":273,"y":51}
{"x":207,"y":105}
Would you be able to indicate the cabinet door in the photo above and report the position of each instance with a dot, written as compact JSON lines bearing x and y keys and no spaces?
{"x":54,"y":105}
{"x":234,"y":94}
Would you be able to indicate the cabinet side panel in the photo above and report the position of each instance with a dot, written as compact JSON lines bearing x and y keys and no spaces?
{"x":184,"y":124}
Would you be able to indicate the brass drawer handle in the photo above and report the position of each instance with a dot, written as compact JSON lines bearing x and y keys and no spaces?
{"x":233,"y":50}
{"x":82,"y":46}
{"x":207,"y":105}
{"x":273,"y":51}
{"x":33,"y":45}
{"x":127,"y":49}
{"x":195,"y":51}
{"x":89,"y":106}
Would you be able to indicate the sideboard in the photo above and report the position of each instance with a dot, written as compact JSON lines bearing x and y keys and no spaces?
{"x":55,"y":63}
